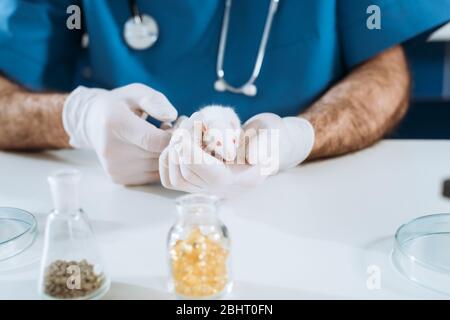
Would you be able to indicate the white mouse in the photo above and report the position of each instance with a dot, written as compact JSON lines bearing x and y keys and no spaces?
{"x":221,"y":132}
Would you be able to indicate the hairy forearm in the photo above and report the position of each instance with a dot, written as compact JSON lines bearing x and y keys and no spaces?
{"x":30,"y":121}
{"x":363,"y":107}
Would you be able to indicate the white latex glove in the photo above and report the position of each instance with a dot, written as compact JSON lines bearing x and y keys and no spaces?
{"x":277,"y":143}
{"x":111,"y":123}
{"x":185,"y":166}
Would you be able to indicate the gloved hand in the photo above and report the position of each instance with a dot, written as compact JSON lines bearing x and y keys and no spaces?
{"x":185,"y":166}
{"x":277,"y":143}
{"x":112,"y":123}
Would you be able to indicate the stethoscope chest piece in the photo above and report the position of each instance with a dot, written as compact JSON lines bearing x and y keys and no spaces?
{"x":141,"y":32}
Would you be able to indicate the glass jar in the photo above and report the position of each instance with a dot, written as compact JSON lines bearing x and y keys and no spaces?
{"x":71,"y":266}
{"x":199,"y":250}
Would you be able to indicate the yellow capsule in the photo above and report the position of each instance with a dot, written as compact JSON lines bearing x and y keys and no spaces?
{"x":199,"y":265}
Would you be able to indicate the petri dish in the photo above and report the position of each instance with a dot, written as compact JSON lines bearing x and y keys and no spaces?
{"x":422,"y":252}
{"x":18,"y":229}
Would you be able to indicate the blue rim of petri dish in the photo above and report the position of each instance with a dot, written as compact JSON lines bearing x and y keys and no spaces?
{"x":14,"y":242}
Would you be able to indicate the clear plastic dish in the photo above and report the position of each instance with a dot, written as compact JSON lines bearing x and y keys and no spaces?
{"x":422,"y":252}
{"x":18,"y":230}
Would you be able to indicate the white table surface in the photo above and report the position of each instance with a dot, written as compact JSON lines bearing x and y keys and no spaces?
{"x":310,"y":232}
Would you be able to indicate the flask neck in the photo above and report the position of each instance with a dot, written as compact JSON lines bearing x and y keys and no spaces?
{"x":65,"y":191}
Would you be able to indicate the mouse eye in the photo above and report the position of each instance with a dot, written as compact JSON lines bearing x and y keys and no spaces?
{"x":234,"y":140}
{"x":218,"y":143}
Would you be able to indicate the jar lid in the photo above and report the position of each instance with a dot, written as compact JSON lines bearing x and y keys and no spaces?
{"x":18,"y":229}
{"x":421,"y":251}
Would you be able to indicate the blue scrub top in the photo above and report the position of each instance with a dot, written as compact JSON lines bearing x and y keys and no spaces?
{"x":313,"y":44}
{"x":430,"y":68}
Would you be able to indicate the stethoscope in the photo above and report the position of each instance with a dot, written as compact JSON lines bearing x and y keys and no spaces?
{"x":141,"y":32}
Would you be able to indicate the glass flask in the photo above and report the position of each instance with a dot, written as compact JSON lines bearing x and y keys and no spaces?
{"x":199,"y":250}
{"x":71,"y":266}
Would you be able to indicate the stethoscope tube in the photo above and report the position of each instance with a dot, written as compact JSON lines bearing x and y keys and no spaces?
{"x":134,"y":9}
{"x":141,"y":32}
{"x":249,"y":88}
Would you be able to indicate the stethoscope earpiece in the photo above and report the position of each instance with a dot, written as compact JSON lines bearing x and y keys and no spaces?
{"x":220,"y":85}
{"x":250,"y":90}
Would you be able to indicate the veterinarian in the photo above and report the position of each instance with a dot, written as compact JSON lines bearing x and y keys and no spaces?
{"x":330,"y":75}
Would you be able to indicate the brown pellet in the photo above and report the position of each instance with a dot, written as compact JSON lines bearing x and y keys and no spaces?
{"x":59,"y":281}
